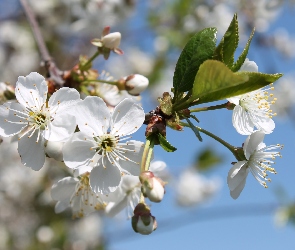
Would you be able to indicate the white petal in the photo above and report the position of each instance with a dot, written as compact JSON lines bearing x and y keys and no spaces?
{"x":31,"y":91}
{"x":105,"y":180}
{"x":134,"y":153}
{"x":93,"y":116}
{"x":64,"y":99}
{"x":54,"y":150}
{"x":64,"y":189}
{"x":127,"y":118}
{"x":237,"y":191}
{"x":252,"y":143}
{"x":11,"y":126}
{"x":129,"y":182}
{"x":249,"y":66}
{"x":61,"y":206}
{"x":32,"y":152}
{"x":235,"y":100}
{"x":242,"y":121}
{"x":77,"y":152}
{"x":113,"y":208}
{"x":264,"y":123}
{"x":61,"y":128}
{"x":82,"y":170}
{"x":237,"y":174}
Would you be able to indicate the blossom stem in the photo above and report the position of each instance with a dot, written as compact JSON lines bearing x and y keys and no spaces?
{"x":220,"y":106}
{"x":182,"y":105}
{"x":98,"y":80}
{"x":84,"y":66}
{"x":147,"y":154}
{"x":141,"y":198}
{"x":224,"y":143}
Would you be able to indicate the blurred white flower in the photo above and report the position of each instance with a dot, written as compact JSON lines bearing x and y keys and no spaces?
{"x":285,"y":93}
{"x":193,"y":189}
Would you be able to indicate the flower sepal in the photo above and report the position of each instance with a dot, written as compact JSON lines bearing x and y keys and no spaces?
{"x":239,"y":154}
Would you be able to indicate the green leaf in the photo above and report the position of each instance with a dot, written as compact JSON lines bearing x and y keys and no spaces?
{"x":207,"y":159}
{"x":165,"y":144}
{"x":192,"y":126}
{"x":198,"y":49}
{"x":226,"y":49}
{"x":238,"y":64}
{"x":256,"y":81}
{"x":214,"y":81}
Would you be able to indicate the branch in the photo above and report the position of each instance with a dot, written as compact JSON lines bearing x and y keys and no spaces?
{"x":50,"y":66}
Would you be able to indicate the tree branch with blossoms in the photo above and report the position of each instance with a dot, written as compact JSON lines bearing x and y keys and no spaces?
{"x":86,"y":119}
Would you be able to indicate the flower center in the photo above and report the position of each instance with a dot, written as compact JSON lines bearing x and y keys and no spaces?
{"x":257,"y":102}
{"x":106,"y":143}
{"x":260,"y":163}
{"x":38,"y":119}
{"x":87,"y":197}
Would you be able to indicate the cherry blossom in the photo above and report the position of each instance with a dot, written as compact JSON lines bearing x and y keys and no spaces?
{"x":36,"y":119}
{"x":101,"y":143}
{"x":77,"y":194}
{"x":253,"y":109}
{"x":258,"y":159}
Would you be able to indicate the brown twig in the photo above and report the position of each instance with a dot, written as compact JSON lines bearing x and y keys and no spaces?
{"x":50,"y":66}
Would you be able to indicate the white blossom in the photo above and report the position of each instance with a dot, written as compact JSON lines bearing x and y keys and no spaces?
{"x":77,"y":194}
{"x":100,"y":143}
{"x":253,"y":109}
{"x":35,"y":119}
{"x":258,"y":159}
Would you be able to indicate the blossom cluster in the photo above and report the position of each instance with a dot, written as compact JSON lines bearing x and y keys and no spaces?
{"x":100,"y":153}
{"x":252,"y":110}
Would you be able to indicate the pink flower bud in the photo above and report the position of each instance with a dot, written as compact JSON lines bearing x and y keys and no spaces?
{"x":112,"y":40}
{"x":151,"y":186}
{"x":142,"y":221}
{"x":135,"y":84}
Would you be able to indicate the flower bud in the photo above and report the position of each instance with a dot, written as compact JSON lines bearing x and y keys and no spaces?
{"x":112,"y":40}
{"x":109,"y":41}
{"x":135,"y":84}
{"x":142,"y":221}
{"x":152,"y":187}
